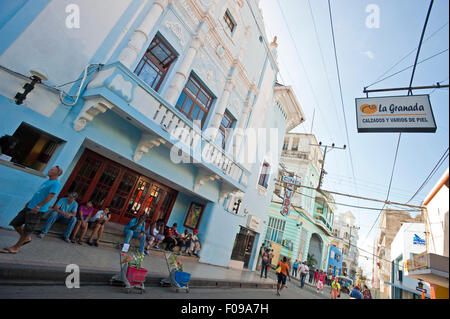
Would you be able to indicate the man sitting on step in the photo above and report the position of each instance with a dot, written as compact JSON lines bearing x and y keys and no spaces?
{"x":65,"y":210}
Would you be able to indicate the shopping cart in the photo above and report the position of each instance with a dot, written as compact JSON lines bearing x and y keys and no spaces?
{"x":130,"y":276}
{"x":177,"y":279}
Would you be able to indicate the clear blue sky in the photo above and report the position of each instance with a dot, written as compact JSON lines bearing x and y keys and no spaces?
{"x":364,"y":54}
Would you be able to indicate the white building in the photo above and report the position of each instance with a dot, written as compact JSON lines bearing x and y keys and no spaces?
{"x":432,"y":266}
{"x":408,"y":243}
{"x":346,"y":237}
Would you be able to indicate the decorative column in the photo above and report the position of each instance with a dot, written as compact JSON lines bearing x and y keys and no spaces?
{"x":291,"y":141}
{"x":140,"y":36}
{"x":239,"y":133}
{"x":176,"y":86}
{"x":220,"y":109}
{"x":307,"y":241}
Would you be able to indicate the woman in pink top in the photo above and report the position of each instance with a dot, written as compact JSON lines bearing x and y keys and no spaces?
{"x":321,"y":281}
{"x":84,"y":213}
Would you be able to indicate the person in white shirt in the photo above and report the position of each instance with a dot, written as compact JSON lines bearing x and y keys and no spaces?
{"x":99,"y":221}
{"x":304,"y":269}
{"x":194,"y":244}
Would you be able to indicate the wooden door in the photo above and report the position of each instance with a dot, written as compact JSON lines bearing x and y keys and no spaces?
{"x":83,"y":176}
{"x":127,"y":193}
{"x":119,"y":199}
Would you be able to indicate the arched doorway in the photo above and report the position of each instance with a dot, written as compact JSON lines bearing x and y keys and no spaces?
{"x":315,"y":249}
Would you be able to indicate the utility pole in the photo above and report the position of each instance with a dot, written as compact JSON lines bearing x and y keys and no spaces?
{"x":324,"y":155}
{"x":350,"y":239}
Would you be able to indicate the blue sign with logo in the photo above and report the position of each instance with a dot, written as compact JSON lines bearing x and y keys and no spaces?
{"x":417,"y":240}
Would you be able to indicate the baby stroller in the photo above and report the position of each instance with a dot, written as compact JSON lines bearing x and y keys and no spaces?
{"x":130,"y":276}
{"x":177,"y":279}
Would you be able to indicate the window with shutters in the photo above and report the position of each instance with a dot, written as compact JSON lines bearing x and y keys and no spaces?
{"x":275,"y":230}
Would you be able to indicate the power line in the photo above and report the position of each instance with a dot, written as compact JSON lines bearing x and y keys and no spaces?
{"x":322,"y":58}
{"x":420,"y":45}
{"x":439,"y":84}
{"x":409,"y":93}
{"x":340,"y":88}
{"x":375,"y":188}
{"x":433,"y":171}
{"x":409,"y":67}
{"x":303,"y":66}
{"x":350,"y":244}
{"x":389,"y":189}
{"x":347,"y":205}
{"x":409,"y":53}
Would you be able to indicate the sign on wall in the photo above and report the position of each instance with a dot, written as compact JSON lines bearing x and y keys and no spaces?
{"x":290,"y":186}
{"x":253,"y":222}
{"x":418,"y":241}
{"x":395,"y":114}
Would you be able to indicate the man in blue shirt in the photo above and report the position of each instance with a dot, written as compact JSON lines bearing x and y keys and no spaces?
{"x":136,"y":229}
{"x":65,"y":210}
{"x":355,"y":293}
{"x":29,"y":217}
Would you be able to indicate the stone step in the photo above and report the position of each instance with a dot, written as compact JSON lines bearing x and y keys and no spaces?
{"x":112,"y":236}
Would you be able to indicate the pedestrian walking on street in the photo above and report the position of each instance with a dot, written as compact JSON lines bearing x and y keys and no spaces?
{"x":261,"y":252}
{"x":265,"y":262}
{"x":27,"y":219}
{"x":366,"y":293}
{"x":316,"y":276}
{"x":282,"y":273}
{"x":312,"y":271}
{"x":270,"y":259}
{"x":304,"y":270}
{"x":335,"y":289}
{"x":320,"y":281}
{"x":355,"y":293}
{"x":65,"y":210}
{"x":295,"y":268}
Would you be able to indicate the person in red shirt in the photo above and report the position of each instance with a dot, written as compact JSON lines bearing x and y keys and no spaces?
{"x":171,"y":237}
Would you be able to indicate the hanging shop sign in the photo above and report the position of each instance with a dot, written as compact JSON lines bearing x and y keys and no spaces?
{"x":395,"y":114}
{"x":290,"y":186}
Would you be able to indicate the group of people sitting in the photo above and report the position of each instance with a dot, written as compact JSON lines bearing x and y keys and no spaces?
{"x":79,"y":219}
{"x":158,"y":234}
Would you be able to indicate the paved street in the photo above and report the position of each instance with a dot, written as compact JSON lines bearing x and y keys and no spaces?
{"x":112,"y":292}
{"x":293,"y":291}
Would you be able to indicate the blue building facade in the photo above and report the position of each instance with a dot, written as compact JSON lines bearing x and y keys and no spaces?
{"x":144,"y":104}
{"x":335,"y":259}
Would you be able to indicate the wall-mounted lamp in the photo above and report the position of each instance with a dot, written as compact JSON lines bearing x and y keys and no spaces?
{"x":37,"y":76}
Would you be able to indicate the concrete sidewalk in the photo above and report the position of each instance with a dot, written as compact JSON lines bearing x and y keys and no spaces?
{"x":44,"y":261}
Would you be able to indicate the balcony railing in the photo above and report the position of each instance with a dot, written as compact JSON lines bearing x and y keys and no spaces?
{"x":319,"y":217}
{"x":157,"y":117}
